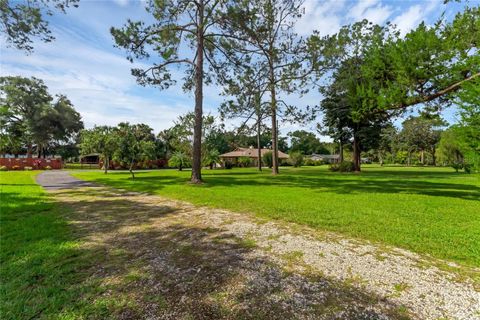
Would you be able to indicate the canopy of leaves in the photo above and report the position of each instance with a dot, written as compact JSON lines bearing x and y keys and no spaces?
{"x":30,"y":115}
{"x":22,"y":20}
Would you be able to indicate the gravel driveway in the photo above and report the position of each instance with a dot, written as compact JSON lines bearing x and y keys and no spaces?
{"x":210,"y":264}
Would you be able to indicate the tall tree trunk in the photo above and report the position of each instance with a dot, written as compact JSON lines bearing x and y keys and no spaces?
{"x":197,"y":129}
{"x":274,"y":122}
{"x":29,"y":150}
{"x":106,"y":164}
{"x":356,"y":154}
{"x":131,"y":170}
{"x":434,"y":158}
{"x":340,"y":151}
{"x":422,"y":157}
{"x":259,"y":147}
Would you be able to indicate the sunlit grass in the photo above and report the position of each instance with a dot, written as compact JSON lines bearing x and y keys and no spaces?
{"x":43,"y":268}
{"x":427,"y":210}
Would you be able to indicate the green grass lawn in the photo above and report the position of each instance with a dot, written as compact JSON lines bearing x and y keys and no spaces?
{"x":43,"y":271}
{"x":427,"y":210}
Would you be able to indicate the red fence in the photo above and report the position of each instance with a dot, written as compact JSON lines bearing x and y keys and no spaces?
{"x":35,"y":163}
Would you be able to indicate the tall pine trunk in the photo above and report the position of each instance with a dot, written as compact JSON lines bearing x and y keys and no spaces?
{"x":106,"y":164}
{"x":273,"y":106}
{"x":356,"y":154}
{"x":259,"y":147}
{"x":197,"y":129}
{"x":340,"y":158}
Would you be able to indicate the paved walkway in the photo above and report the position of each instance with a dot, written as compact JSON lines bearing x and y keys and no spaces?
{"x":59,"y":179}
{"x":209,"y":263}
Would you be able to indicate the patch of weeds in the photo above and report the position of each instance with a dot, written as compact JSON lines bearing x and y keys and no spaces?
{"x":134,"y":275}
{"x":356,"y":281}
{"x":402,"y":312}
{"x":187,"y":250}
{"x":273,"y":237}
{"x":157,"y":299}
{"x":247,"y":243}
{"x":401,"y":287}
{"x":293,"y":258}
{"x":379,"y":256}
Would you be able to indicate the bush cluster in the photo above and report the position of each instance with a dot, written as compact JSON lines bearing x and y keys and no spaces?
{"x":228,"y":165}
{"x":295,"y":159}
{"x":311,"y":163}
{"x":244,"y":162}
{"x":345,"y":166}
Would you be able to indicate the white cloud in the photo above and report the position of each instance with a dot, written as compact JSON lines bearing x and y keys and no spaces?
{"x":121,"y":3}
{"x":414,"y":16}
{"x":97,"y":81}
{"x":372,"y":10}
{"x":324,"y":16}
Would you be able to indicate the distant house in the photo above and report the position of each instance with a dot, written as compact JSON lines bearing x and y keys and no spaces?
{"x":327,"y":158}
{"x":251,"y":153}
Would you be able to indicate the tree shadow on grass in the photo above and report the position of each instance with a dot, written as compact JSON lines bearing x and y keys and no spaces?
{"x":146,"y":260}
{"x":344,"y":184}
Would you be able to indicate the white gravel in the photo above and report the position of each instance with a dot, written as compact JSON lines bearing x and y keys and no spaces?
{"x":397,"y":276}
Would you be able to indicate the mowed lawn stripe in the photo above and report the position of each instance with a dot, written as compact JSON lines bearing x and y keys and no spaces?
{"x":43,"y":269}
{"x":432,"y":211}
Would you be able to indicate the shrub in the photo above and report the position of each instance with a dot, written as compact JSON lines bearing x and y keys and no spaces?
{"x":467,"y":168}
{"x":345,"y":166}
{"x":179,"y":160}
{"x":295,"y":159}
{"x":244,"y":162}
{"x":16,"y":167}
{"x":48,"y":168}
{"x":309,"y":162}
{"x":228,"y":165}
{"x":3,"y":168}
{"x":457,"y":166}
{"x":27,"y":168}
{"x":267,"y":159}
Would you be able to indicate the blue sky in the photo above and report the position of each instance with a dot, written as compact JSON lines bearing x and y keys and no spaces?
{"x":83,"y":64}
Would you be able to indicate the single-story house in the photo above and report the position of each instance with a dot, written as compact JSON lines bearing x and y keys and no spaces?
{"x":327,"y":158}
{"x":251,"y":153}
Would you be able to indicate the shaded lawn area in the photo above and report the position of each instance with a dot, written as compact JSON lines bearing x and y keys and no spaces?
{"x":427,"y":210}
{"x":44,"y":273}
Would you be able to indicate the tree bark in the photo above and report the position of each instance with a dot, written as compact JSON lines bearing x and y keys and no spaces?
{"x":197,"y":130}
{"x":340,"y":151}
{"x":356,"y":154}
{"x":273,"y":98}
{"x":131,"y":170}
{"x":106,"y":164}
{"x":259,"y":147}
{"x":29,"y":151}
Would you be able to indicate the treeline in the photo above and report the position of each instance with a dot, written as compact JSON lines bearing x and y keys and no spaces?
{"x":33,"y":121}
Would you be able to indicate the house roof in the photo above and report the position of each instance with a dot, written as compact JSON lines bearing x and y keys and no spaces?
{"x":251,"y":153}
{"x":325,"y":156}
